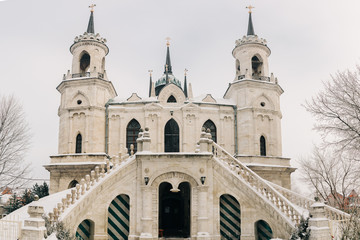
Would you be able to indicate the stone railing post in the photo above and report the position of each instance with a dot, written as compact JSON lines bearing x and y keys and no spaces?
{"x":34,"y":226}
{"x":139,"y":140}
{"x":203,"y":225}
{"x":146,"y":140}
{"x":318,"y":223}
{"x":146,"y":220}
{"x":204,"y":141}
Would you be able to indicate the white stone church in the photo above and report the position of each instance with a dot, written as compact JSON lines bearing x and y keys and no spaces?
{"x":173,"y":164}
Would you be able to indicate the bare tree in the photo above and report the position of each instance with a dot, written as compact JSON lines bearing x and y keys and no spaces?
{"x":332,"y":175}
{"x":337,"y":111}
{"x":14,"y":142}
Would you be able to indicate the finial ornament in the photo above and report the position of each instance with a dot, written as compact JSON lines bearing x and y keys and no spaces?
{"x":185,"y":71}
{"x":168,"y":41}
{"x":150,"y":71}
{"x":166,"y":67}
{"x":250,"y":8}
{"x":92,"y":7}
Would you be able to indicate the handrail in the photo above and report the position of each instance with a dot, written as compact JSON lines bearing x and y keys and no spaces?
{"x":260,"y":185}
{"x":87,"y":184}
{"x":304,"y":202}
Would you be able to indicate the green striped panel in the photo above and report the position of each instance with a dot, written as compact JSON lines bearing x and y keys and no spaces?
{"x":229,"y":218}
{"x":263,"y":230}
{"x":83,"y":230}
{"x":118,"y":218}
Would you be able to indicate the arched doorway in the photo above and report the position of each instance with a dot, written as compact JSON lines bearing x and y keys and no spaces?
{"x":230,"y":222}
{"x":174,"y":210}
{"x":171,"y":136}
{"x":119,"y":218}
{"x":263,"y":231}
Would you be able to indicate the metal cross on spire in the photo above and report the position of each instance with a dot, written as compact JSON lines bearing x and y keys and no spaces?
{"x":150,"y":71}
{"x":185,"y":71}
{"x":250,"y":8}
{"x":92,"y":7}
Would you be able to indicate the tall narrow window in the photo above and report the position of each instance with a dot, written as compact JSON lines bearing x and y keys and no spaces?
{"x":78,"y":143}
{"x":262,"y":146}
{"x":132,"y":132}
{"x":84,"y":62}
{"x":256,"y":66}
{"x":210,"y":125}
{"x":172,"y":136}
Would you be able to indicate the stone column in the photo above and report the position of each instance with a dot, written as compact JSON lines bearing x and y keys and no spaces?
{"x":146,"y":220}
{"x":34,"y":226}
{"x":319,"y":223}
{"x":203,"y":225}
{"x":203,"y":142}
{"x":247,"y":222}
{"x":146,"y":141}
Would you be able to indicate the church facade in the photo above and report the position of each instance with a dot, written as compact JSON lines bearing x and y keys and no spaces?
{"x":172,"y":165}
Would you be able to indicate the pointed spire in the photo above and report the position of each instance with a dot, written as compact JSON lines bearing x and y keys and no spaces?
{"x":168,"y":62}
{"x":90,"y":28}
{"x":150,"y":87}
{"x":250,"y":24}
{"x":185,"y":84}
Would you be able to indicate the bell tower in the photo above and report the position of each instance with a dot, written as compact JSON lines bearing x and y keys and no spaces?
{"x":84,"y":90}
{"x":256,"y":93}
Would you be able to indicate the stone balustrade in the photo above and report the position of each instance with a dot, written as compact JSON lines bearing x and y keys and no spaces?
{"x":87,"y":184}
{"x":258,"y":184}
{"x":306,"y":203}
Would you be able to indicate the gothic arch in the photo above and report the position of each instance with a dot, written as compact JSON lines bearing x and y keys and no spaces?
{"x":171,"y":89}
{"x":73,"y":184}
{"x":213,"y":130}
{"x":80,"y":96}
{"x":171,"y":136}
{"x":132,"y":132}
{"x":263,"y":146}
{"x":84,"y":61}
{"x":257,"y":66}
{"x":269,"y":104}
{"x":78,"y":144}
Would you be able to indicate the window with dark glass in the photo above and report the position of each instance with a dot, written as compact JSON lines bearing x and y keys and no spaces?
{"x":171,"y":99}
{"x":262,"y":146}
{"x":132,"y":132}
{"x":172,"y":136}
{"x":78,"y":143}
{"x":210,"y":125}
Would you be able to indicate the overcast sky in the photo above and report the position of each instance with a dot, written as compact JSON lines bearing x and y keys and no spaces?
{"x":309,"y":41}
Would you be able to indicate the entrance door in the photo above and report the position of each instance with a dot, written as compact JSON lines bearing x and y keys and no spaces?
{"x":171,"y":136}
{"x":174,"y":211}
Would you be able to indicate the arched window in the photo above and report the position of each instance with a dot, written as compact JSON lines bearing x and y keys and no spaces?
{"x":262,"y":146}
{"x":237,"y":67}
{"x":210,"y":124}
{"x":72,"y":184}
{"x":78,"y":143}
{"x":263,"y":230}
{"x":132,"y":132}
{"x":103,"y":64}
{"x":230,"y":217}
{"x":172,"y":136}
{"x":84,"y":62}
{"x":171,"y":99}
{"x":256,"y":65}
